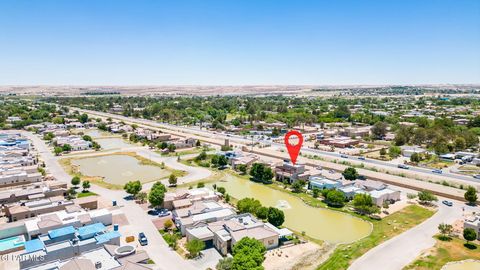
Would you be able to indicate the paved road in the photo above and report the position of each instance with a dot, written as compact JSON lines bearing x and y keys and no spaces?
{"x":402,"y":250}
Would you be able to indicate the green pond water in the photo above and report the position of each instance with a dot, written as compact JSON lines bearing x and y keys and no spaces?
{"x":113,"y":143}
{"x":119,"y":169}
{"x":323,"y":224}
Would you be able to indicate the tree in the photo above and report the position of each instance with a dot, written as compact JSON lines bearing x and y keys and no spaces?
{"x":163,"y":145}
{"x":87,"y":138}
{"x":200,"y":185}
{"x":315,"y":192}
{"x":171,"y":147}
{"x":222,"y":161}
{"x":66,"y":147}
{"x":194,"y":247}
{"x":221,"y":190}
{"x":275,"y":216}
{"x":168,"y":224}
{"x":460,"y":143}
{"x":261,"y":173}
{"x":133,"y":187}
{"x":350,"y":173}
{"x":471,"y":195}
{"x":198,"y":143}
{"x":58,"y":150}
{"x":262,"y":212}
{"x":83,"y":118}
{"x":363,"y":203}
{"x":383,"y":152}
{"x":248,"y":254}
{"x":445,"y":230}
{"x":297,"y":186}
{"x":248,"y":205}
{"x":469,"y":234}
{"x":227,"y":198}
{"x":85,"y":186}
{"x":426,"y":196}
{"x":379,"y":129}
{"x":335,"y":198}
{"x":394,"y":151}
{"x":48,"y":136}
{"x":242,"y":168}
{"x":172,"y":180}
{"x":157,"y":194}
{"x":201,"y":156}
{"x":75,"y":181}
{"x":341,"y":111}
{"x":415,"y":157}
{"x":225,"y":264}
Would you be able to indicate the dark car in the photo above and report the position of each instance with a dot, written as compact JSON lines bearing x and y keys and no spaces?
{"x":403,"y":166}
{"x":447,"y":203}
{"x":437,"y":171}
{"x":142,"y":239}
{"x":361,"y":158}
{"x":343,"y":156}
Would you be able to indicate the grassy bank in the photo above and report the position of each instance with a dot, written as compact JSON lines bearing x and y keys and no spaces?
{"x":383,"y":230}
{"x":444,"y":252}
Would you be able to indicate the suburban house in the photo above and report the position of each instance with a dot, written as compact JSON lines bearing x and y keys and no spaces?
{"x":67,"y":242}
{"x":224,"y":234}
{"x":293,"y":172}
{"x":191,"y":195}
{"x":340,"y":142}
{"x":473,"y":222}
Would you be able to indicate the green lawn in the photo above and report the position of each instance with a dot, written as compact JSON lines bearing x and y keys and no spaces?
{"x":86,"y":194}
{"x":444,"y":252}
{"x":383,"y":230}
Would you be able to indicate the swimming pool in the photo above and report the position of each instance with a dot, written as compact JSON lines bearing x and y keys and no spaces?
{"x":11,"y":244}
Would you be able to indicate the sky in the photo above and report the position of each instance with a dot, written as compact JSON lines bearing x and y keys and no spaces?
{"x":239,"y":42}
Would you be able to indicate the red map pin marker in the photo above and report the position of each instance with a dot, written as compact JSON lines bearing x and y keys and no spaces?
{"x":293,"y":150}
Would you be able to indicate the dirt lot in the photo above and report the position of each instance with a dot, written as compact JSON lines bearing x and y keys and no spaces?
{"x":301,"y":256}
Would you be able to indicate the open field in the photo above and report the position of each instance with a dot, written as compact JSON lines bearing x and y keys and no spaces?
{"x":442,"y":253}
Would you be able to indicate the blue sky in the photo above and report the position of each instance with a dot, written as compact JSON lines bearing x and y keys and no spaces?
{"x":227,"y":42}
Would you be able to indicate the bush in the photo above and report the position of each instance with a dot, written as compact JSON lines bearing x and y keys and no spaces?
{"x":194,"y":247}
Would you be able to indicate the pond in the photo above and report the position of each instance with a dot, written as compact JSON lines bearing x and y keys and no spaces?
{"x":319,"y":223}
{"x":113,"y":143}
{"x":119,"y":169}
{"x":463,"y":265}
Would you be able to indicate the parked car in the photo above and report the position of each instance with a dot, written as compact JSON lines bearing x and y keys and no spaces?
{"x":153,"y":212}
{"x":163,"y":213}
{"x":476,"y":176}
{"x":403,"y":166}
{"x":343,"y":156}
{"x":437,"y":171}
{"x":447,"y":203}
{"x":142,"y":239}
{"x":361,"y":158}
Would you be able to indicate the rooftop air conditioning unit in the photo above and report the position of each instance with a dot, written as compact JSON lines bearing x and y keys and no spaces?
{"x":98,"y":265}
